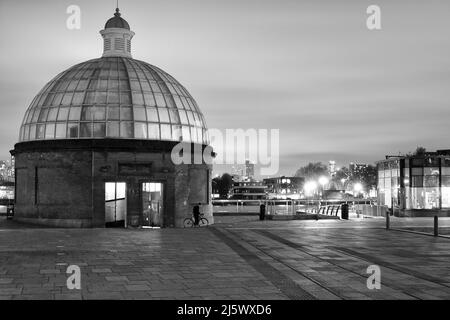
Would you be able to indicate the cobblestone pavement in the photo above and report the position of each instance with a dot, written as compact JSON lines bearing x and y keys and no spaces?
{"x":238,"y":258}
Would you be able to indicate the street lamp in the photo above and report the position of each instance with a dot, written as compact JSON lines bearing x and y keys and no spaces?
{"x":323,"y":181}
{"x":357,"y":188}
{"x":310,"y":187}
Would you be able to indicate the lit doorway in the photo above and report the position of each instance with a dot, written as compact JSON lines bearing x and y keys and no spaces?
{"x":152,"y":204}
{"x":115,"y":204}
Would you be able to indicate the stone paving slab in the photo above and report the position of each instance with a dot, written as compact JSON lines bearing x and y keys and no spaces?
{"x":244,"y":259}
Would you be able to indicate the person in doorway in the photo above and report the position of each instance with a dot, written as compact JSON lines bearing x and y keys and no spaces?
{"x":196,"y":213}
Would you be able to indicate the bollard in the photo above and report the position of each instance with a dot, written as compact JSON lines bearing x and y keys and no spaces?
{"x":436,"y":226}
{"x":387,"y":220}
{"x":344,"y":211}
{"x":262,"y":212}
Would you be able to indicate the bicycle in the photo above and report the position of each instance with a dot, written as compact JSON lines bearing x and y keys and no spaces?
{"x":190,"y":222}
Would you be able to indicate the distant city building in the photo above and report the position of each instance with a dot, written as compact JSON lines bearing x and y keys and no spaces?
{"x":249,"y":170}
{"x":6,"y":190}
{"x":285,"y":187}
{"x":415,"y":185}
{"x":356,"y":169}
{"x":248,"y":190}
{"x":238,"y":172}
{"x":243,"y":172}
{"x":332,"y":168}
{"x":7,"y":170}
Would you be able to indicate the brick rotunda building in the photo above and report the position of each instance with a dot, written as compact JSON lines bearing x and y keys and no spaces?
{"x":95,"y":145}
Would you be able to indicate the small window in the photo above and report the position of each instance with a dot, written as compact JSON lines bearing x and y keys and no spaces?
{"x":113,"y":97}
{"x":99,"y":129}
{"x":160,"y":102}
{"x":87,"y":113}
{"x":63,"y":113}
{"x":50,"y":131}
{"x":139,"y":114}
{"x":99,"y":113}
{"x":125,"y":97}
{"x":72,"y":130}
{"x":166,"y":132}
{"x":163,"y":115}
{"x":126,"y":129}
{"x":183,"y":116}
{"x":431,"y":181}
{"x":52,"y":113}
{"x":176,"y":133}
{"x":32,"y":131}
{"x":174,"y":117}
{"x":186,"y":133}
{"x":135,"y":85}
{"x":149,"y":100}
{"x":43,"y":115}
{"x":126,"y":113}
{"x":140,"y":130}
{"x":152,"y":114}
{"x":75,"y":113}
{"x":107,"y":45}
{"x":78,"y":98}
{"x":113,"y":112}
{"x":153,"y":131}
{"x":86,"y":130}
{"x":61,"y":129}
{"x":119,"y":44}
{"x":67,"y":99}
{"x":113,"y":129}
{"x":417,"y":181}
{"x":138,"y":99}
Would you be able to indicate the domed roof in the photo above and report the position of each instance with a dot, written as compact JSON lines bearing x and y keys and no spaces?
{"x":117,"y":22}
{"x":114,"y":97}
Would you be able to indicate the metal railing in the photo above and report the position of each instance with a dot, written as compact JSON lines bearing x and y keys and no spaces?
{"x":423,"y":225}
{"x":330,"y":210}
{"x":282,"y":206}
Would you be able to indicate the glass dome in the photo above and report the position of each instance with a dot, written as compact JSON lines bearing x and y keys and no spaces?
{"x":114,"y":97}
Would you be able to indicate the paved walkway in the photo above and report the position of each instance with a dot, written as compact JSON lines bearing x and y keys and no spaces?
{"x":239,"y":258}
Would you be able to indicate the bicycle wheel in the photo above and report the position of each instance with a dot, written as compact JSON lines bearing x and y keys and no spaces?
{"x":203,"y":222}
{"x":188,"y":223}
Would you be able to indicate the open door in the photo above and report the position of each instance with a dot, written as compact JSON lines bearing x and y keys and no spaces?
{"x":152,"y":204}
{"x":115,"y":204}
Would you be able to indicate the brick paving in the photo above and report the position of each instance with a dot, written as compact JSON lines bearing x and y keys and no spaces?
{"x":238,"y":258}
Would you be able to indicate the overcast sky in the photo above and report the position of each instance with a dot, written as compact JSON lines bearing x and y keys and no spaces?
{"x":310,"y":68}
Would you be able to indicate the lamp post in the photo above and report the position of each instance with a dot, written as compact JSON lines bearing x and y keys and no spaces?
{"x":323,"y":181}
{"x":310,"y":187}
{"x":357,"y":188}
{"x":343,"y":183}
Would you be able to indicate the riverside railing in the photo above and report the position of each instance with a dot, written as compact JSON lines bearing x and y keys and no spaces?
{"x":436,"y":224}
{"x":281,"y":206}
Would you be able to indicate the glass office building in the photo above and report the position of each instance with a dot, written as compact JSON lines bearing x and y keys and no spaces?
{"x":415,"y":184}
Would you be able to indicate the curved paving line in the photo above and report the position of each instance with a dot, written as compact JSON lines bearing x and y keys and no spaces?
{"x":392,"y":266}
{"x":301,"y":248}
{"x":286,"y":285}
